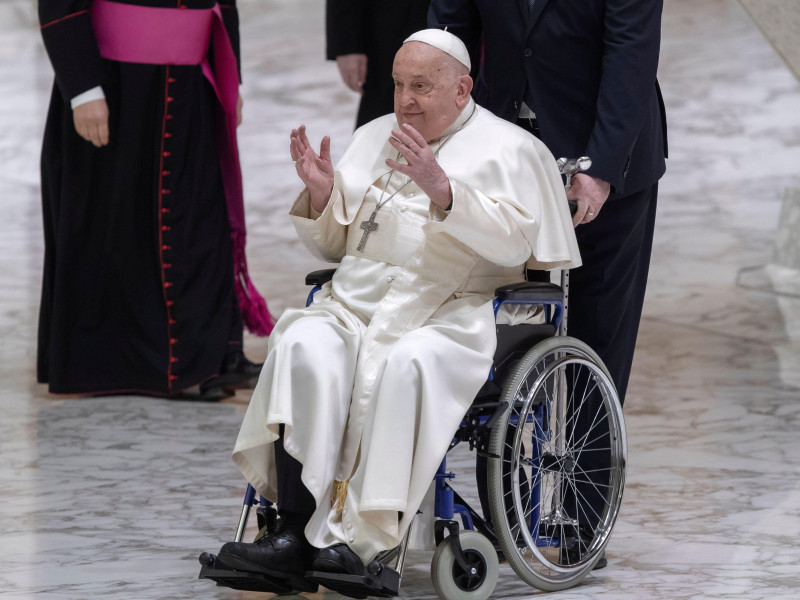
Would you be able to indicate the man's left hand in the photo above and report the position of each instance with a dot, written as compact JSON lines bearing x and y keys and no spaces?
{"x":590,"y":194}
{"x":422,"y":166}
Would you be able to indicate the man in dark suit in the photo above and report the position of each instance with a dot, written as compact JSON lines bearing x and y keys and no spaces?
{"x":581,"y":75}
{"x":363,"y":37}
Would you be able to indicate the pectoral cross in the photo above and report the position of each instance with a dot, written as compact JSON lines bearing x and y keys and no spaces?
{"x":368,"y":227}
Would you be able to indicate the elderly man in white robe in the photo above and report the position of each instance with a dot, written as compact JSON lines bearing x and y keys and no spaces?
{"x":429,"y":211}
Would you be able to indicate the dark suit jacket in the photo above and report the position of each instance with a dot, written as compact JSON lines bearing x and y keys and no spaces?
{"x":376,"y":28}
{"x":591,"y":67}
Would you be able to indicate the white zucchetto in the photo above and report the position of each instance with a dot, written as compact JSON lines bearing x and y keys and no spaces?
{"x":444,"y":41}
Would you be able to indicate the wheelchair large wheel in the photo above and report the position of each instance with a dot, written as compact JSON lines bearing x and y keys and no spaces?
{"x":557,"y":470}
{"x":452,"y":582}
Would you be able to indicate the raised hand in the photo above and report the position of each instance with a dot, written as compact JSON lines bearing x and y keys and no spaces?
{"x":422,"y":166}
{"x":316,"y":170}
{"x":91,"y":122}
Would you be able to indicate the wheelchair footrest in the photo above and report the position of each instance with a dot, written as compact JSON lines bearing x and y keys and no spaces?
{"x":380,"y":582}
{"x":216,"y":571}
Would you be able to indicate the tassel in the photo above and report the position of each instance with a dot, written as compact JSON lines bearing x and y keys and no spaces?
{"x":255,"y":314}
{"x":339,"y":495}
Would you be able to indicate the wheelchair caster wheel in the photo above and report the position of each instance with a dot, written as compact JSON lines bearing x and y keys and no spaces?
{"x":449,"y":578}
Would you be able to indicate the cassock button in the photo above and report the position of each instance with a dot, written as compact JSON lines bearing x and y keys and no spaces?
{"x":403,"y":209}
{"x":352,"y":539}
{"x":349,"y":525}
{"x":528,"y":53}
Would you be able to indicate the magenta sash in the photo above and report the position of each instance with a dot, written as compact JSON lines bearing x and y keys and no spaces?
{"x":172,"y":36}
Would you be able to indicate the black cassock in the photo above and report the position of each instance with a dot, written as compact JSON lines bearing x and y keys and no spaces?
{"x":138,"y":278}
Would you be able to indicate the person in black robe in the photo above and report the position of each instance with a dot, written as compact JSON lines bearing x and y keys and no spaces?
{"x":137,"y":293}
{"x":363,"y":36}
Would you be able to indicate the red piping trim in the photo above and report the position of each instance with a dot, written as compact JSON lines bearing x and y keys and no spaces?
{"x":80,"y":12}
{"x":162,"y":228}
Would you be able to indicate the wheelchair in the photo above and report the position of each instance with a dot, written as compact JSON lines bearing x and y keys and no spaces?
{"x":548,"y":431}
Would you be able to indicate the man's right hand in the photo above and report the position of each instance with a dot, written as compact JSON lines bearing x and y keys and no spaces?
{"x":316,"y":171}
{"x":91,"y":122}
{"x":353,"y":69}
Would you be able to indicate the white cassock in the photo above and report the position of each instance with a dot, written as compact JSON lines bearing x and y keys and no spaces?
{"x":374,"y":377}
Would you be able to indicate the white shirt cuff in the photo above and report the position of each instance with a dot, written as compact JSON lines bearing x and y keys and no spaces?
{"x":96,"y":93}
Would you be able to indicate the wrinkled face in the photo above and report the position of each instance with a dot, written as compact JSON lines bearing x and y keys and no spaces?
{"x":429,"y":90}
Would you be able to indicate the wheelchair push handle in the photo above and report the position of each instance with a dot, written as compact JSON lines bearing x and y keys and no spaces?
{"x":569,"y":167}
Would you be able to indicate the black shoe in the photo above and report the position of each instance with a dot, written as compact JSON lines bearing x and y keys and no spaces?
{"x":200,"y":394}
{"x":602,"y":563}
{"x":338,"y":559}
{"x":576,"y":549}
{"x":237,"y":373}
{"x":283,"y":555}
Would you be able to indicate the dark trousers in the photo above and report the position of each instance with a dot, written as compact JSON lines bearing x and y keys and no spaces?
{"x":606,"y":293}
{"x":294,"y":499}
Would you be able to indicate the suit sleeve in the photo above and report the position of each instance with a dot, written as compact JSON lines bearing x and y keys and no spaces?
{"x":461,"y":17}
{"x":346,"y":23}
{"x":632,"y":38}
{"x":71,"y":45}
{"x":230,"y":16}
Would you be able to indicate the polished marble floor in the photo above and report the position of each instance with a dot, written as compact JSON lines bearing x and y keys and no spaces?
{"x":115,"y":497}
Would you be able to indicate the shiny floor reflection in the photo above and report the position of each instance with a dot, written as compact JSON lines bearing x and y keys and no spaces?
{"x":116,"y":497}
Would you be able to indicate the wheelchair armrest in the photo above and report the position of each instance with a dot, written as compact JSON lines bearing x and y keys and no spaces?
{"x":531,"y":290}
{"x":320,"y":277}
